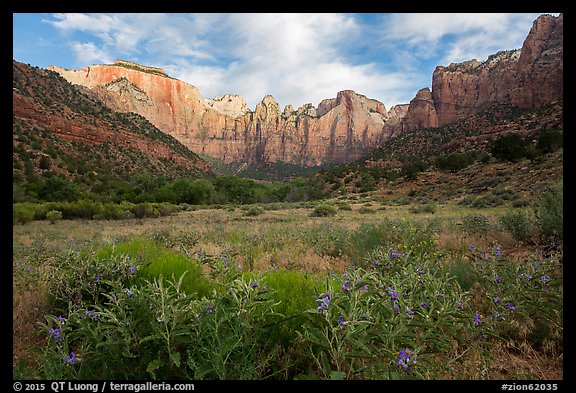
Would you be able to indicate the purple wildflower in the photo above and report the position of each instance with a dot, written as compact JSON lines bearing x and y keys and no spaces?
{"x":496,"y":300}
{"x":55,"y":334}
{"x":61,"y":319}
{"x":510,"y":307}
{"x":98,"y":277}
{"x":477,"y":318}
{"x":405,"y":358}
{"x":459,"y":304}
{"x":410,"y":312}
{"x":497,"y":252}
{"x":498,"y":279}
{"x":425,"y":304}
{"x":253,"y":284}
{"x":471,"y":248}
{"x":393,"y":254}
{"x":544,"y":279}
{"x":376,"y":263}
{"x":420,"y":270}
{"x":346,"y":286}
{"x":393,"y":296}
{"x":341,"y":321}
{"x":324,"y":302}
{"x":72,"y":359}
{"x":92,"y":314}
{"x":132,"y":269}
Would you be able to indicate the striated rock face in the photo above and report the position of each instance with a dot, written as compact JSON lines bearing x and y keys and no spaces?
{"x":525,"y":78}
{"x":421,"y":112}
{"x":41,"y":99}
{"x":230,"y":105}
{"x":342,"y":129}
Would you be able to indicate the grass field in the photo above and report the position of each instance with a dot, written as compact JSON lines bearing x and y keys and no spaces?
{"x":282,"y":259}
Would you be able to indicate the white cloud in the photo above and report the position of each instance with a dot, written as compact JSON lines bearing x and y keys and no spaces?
{"x":458,"y":37}
{"x":297,"y":58}
{"x":90,"y":53}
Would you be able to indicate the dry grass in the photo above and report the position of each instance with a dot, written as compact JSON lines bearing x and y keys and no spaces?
{"x":29,"y":305}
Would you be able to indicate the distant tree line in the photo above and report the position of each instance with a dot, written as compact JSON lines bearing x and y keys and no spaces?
{"x":148,"y":188}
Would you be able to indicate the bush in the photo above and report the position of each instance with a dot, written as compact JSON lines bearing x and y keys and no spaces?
{"x":549,"y":213}
{"x":142,"y":210}
{"x":454,"y":162}
{"x":253,"y":211}
{"x":549,"y":141}
{"x":427,"y":208}
{"x":509,"y":147}
{"x":475,"y":223}
{"x":323,"y":210}
{"x":366,"y":210}
{"x":53,"y":216}
{"x":25,"y":212}
{"x":294,"y":291}
{"x":517,"y":223}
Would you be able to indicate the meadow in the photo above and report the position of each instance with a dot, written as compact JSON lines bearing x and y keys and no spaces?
{"x":338,"y":289}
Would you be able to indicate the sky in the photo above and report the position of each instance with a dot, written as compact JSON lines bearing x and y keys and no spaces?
{"x":297,"y":58}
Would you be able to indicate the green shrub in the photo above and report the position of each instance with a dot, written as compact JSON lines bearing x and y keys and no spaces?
{"x":517,"y":223}
{"x":25,"y":212}
{"x":550,"y":214}
{"x":294,"y":291}
{"x":53,"y":216}
{"x":550,"y":141}
{"x":143,"y":210}
{"x":114,"y":211}
{"x":427,"y":208}
{"x":323,"y":210}
{"x":366,"y":210}
{"x":253,"y":211}
{"x":454,"y":162}
{"x":344,"y":206}
{"x":476,"y":223}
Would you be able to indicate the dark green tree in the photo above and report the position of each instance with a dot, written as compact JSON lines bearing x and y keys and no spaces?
{"x":509,"y":147}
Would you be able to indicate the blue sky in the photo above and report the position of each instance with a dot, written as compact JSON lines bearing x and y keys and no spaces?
{"x":297,"y":58}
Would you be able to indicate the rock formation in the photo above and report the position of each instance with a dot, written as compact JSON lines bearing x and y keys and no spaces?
{"x":342,"y":129}
{"x":43,"y":100}
{"x":526,"y":78}
{"x":421,"y":112}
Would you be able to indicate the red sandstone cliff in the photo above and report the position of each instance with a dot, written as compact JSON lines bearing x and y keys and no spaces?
{"x":341,"y":130}
{"x":525,"y":78}
{"x":41,"y":101}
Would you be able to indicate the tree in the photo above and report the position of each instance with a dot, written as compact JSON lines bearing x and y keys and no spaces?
{"x":550,"y":141}
{"x":58,"y":189}
{"x":509,"y":147}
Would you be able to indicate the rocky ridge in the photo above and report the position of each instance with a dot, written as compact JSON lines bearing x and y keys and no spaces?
{"x":525,"y":78}
{"x":340,"y":129}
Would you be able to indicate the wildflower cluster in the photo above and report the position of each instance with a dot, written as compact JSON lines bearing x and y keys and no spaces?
{"x":406,"y":358}
{"x":324,"y":300}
